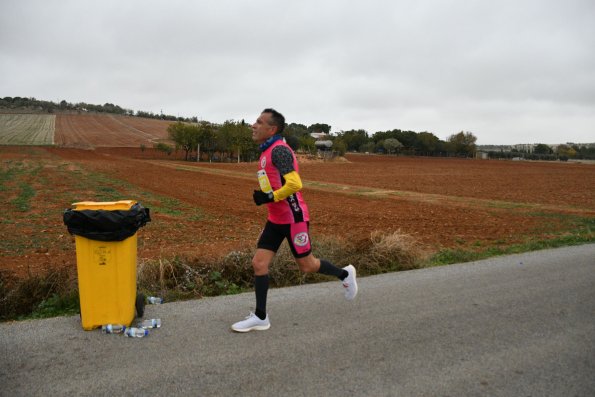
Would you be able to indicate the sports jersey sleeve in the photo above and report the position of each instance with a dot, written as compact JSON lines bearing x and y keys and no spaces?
{"x":283,"y":159}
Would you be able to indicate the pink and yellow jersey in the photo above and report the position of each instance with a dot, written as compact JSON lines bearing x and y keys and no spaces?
{"x":278,"y":160}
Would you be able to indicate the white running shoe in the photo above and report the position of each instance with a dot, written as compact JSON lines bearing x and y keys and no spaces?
{"x":350,"y":284}
{"x":252,"y":322}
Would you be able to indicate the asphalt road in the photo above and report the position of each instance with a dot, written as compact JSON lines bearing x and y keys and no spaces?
{"x":520,"y":325}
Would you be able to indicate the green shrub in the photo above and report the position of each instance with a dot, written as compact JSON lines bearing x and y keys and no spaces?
{"x":165,"y":148}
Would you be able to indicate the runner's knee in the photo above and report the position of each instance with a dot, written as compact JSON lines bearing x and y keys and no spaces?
{"x":260,"y":266}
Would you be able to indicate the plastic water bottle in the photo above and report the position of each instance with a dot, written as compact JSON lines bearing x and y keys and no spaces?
{"x":136,"y":332}
{"x":154,"y":300}
{"x":263,"y":181}
{"x":113,"y":328}
{"x":152,"y":323}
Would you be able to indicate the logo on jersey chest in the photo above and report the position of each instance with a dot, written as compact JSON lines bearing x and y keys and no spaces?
{"x":263,"y":162}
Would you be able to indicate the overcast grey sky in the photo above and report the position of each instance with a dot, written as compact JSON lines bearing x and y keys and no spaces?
{"x":509,"y":71}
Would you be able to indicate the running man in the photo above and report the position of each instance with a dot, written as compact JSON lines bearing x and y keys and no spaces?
{"x":288,"y":218}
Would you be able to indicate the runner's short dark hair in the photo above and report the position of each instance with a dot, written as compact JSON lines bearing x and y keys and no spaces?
{"x":277,"y":119}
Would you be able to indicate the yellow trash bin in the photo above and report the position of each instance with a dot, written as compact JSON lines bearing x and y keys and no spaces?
{"x":106,"y":255}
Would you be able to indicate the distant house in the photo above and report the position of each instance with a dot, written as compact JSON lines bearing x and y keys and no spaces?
{"x":481,"y":155}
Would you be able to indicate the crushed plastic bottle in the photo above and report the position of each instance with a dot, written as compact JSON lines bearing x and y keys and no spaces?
{"x":154,"y":300}
{"x":152,"y":323}
{"x":136,"y":332}
{"x":113,"y":328}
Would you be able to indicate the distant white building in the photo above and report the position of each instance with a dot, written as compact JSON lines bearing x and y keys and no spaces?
{"x":525,"y":147}
{"x":318,"y":135}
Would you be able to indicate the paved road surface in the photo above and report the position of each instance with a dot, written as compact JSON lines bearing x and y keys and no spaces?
{"x":520,"y":325}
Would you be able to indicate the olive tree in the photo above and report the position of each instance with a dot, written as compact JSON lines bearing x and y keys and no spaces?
{"x":391,"y":145}
{"x":185,"y":136}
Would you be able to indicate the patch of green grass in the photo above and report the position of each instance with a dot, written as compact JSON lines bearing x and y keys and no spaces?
{"x":577,"y":230}
{"x":13,"y":169}
{"x":197,"y":214}
{"x":220,"y":286}
{"x":107,"y":193}
{"x":450,"y":256}
{"x":169,"y":206}
{"x":23,"y":201}
{"x":14,"y":246}
{"x":65,"y":304}
{"x":20,"y":174}
{"x":5,"y":177}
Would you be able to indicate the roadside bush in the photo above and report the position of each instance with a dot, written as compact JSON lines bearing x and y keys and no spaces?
{"x":187,"y":278}
{"x":53,"y":293}
{"x":181,"y":277}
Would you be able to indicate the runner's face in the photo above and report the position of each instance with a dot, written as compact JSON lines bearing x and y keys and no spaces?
{"x":261,"y":129}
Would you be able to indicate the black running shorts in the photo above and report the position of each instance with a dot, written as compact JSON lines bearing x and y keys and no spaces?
{"x":297,"y":235}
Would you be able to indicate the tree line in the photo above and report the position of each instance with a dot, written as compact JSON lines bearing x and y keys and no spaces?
{"x":546,"y":152}
{"x":213,"y":142}
{"x":233,"y":139}
{"x":396,"y":141}
{"x":37,"y":105}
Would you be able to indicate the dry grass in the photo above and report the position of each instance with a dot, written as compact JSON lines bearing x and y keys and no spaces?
{"x":186,"y":278}
{"x":52,"y":293}
{"x":395,"y":251}
{"x":194,"y":277}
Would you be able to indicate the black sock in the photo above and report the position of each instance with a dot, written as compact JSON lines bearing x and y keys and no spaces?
{"x":331,"y":270}
{"x":261,"y":287}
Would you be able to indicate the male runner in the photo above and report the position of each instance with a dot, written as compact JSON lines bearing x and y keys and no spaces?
{"x":288,"y":218}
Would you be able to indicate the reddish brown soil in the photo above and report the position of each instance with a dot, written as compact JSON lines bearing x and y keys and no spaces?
{"x":440,"y":202}
{"x":98,"y":130}
{"x":555,"y":183}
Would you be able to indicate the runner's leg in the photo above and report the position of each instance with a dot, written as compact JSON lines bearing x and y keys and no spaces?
{"x":261,"y":261}
{"x":311,"y":264}
{"x":300,"y":244}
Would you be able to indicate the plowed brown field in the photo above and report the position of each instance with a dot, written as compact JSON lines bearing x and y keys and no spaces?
{"x":100,"y":130}
{"x":442,"y":203}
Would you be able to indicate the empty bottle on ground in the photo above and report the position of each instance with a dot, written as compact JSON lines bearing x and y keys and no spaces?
{"x":152,"y":323}
{"x":154,"y":300}
{"x":136,"y":332}
{"x":113,"y":328}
